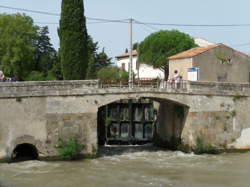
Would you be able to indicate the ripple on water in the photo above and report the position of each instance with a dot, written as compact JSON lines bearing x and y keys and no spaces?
{"x":144,"y":168}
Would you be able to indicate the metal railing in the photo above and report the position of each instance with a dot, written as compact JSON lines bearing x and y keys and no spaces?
{"x":144,"y":83}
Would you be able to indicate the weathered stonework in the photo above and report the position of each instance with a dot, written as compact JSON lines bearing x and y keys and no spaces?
{"x":40,"y":112}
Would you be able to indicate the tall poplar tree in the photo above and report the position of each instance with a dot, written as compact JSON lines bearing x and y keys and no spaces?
{"x":73,"y":40}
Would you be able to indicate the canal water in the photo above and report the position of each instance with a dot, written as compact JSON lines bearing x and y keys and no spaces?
{"x":133,"y":166}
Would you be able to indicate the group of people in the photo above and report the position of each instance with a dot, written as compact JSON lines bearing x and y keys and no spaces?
{"x":6,"y":79}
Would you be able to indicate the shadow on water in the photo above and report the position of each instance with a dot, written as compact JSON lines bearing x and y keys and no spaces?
{"x":115,"y":150}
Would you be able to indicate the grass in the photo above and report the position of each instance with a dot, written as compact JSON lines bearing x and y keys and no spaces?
{"x":203,"y":148}
{"x":69,"y":148}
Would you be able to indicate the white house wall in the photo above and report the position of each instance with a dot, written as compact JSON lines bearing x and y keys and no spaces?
{"x":145,"y":71}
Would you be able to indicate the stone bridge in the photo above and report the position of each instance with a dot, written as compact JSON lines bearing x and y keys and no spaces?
{"x":38,"y":113}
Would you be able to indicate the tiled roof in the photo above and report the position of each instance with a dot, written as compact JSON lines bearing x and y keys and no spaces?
{"x":193,"y":52}
{"x":124,"y":55}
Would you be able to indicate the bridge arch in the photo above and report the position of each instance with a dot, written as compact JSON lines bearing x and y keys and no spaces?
{"x":110,"y":97}
{"x":24,"y":151}
{"x":23,"y":148}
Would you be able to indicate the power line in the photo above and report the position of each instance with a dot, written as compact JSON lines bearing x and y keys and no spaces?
{"x":28,"y":10}
{"x":145,"y":29}
{"x":193,"y":25}
{"x":148,"y":26}
{"x":101,"y":20}
{"x":46,"y":23}
{"x":108,"y":20}
{"x":54,"y":23}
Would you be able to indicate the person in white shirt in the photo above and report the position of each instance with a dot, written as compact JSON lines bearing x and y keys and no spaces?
{"x":176,"y":79}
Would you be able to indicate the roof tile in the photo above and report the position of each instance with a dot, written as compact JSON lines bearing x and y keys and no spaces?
{"x":193,"y":52}
{"x":134,"y":53}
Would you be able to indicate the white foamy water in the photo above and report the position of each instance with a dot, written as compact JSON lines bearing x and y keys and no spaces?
{"x":130,"y":166}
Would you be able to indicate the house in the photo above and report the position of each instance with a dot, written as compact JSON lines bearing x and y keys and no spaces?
{"x":141,"y":71}
{"x":146,"y":71}
{"x":216,"y":62}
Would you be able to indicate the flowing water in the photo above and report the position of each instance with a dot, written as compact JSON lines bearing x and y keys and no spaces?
{"x":131,"y":167}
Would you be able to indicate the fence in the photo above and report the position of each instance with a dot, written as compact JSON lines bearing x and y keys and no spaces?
{"x":144,"y":83}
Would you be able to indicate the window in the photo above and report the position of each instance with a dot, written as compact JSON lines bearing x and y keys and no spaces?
{"x":123,"y":66}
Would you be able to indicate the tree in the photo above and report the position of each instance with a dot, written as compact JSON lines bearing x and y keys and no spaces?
{"x":157,"y":47}
{"x":57,"y":69}
{"x":73,"y":40}
{"x":17,"y":44}
{"x":112,"y":73}
{"x":45,"y":56}
{"x":135,"y":46}
{"x":97,"y":60}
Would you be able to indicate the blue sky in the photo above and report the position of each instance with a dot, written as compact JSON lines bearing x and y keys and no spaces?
{"x":114,"y":36}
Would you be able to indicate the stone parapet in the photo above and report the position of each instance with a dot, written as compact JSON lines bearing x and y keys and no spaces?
{"x":89,"y":87}
{"x":44,"y":88}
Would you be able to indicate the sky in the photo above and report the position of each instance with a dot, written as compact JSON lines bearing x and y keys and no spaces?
{"x":114,"y":37}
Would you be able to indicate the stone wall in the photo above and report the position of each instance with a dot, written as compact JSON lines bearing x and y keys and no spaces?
{"x":235,"y":68}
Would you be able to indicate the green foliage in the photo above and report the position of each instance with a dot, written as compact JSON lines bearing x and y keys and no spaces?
{"x":17,"y":44}
{"x":112,"y":73}
{"x":96,"y":62}
{"x":157,"y":47}
{"x":233,"y":113}
{"x":35,"y":76}
{"x":135,"y":46}
{"x":69,"y":149}
{"x":56,"y":70}
{"x":204,"y":148}
{"x":73,"y":36}
{"x":46,"y":55}
{"x":25,"y":49}
{"x":223,"y":58}
{"x":123,"y":75}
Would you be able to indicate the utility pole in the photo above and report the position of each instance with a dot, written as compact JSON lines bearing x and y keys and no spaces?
{"x":130,"y":82}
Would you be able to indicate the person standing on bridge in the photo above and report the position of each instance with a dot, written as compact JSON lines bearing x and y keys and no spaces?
{"x":1,"y":76}
{"x":176,"y":79}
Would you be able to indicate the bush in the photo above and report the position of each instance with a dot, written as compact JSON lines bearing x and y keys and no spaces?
{"x":112,"y":73}
{"x":40,"y":76}
{"x":124,"y":76}
{"x":203,"y":148}
{"x":35,"y":76}
{"x":69,"y":149}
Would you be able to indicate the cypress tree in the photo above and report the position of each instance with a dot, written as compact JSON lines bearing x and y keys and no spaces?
{"x":73,"y":40}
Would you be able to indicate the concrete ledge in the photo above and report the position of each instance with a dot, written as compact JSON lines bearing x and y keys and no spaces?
{"x":91,"y":87}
